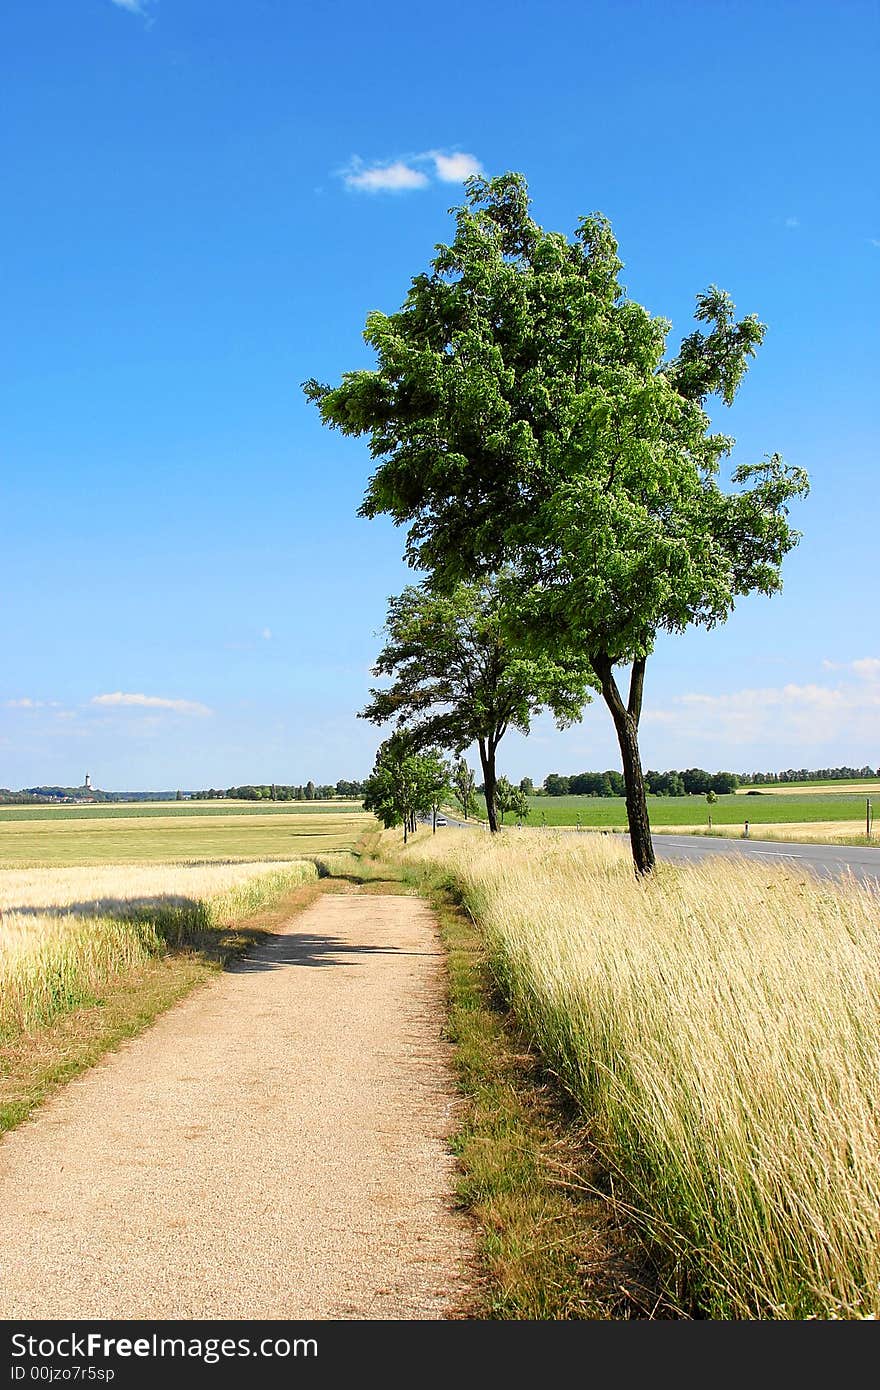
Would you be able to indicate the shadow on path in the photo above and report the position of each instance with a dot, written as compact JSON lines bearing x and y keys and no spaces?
{"x":307,"y":949}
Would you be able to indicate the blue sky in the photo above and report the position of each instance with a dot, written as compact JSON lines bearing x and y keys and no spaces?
{"x":202,"y":201}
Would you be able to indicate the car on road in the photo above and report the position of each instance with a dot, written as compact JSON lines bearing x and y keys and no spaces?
{"x":441,"y":820}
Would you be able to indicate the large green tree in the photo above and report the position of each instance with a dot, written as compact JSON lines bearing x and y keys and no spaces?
{"x":459,"y":677}
{"x":526,"y":414}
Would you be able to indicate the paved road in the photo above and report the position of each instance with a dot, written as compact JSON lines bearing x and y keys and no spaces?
{"x":826,"y":861}
{"x":273,"y":1147}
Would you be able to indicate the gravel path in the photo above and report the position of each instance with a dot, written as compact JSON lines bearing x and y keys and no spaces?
{"x":273,"y":1147}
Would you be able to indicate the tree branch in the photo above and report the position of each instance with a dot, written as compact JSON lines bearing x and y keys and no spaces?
{"x":636,"y":689}
{"x":601,"y":664}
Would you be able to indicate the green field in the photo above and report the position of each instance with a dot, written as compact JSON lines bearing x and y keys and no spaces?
{"x":766,"y":809}
{"x":171,"y":832}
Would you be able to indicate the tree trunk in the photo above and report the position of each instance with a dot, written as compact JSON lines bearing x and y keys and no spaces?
{"x":626,"y":723}
{"x":487,"y":762}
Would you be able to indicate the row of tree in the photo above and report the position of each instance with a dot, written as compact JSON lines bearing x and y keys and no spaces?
{"x":406,"y":783}
{"x":694,"y":781}
{"x":558,"y":474}
{"x":819,"y":774}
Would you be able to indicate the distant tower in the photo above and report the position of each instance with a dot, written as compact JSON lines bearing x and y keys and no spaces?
{"x":88,"y":783}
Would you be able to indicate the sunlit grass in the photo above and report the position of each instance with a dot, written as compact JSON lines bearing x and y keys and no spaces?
{"x":65,"y":932}
{"x":719,"y":1026}
{"x":853,"y":832}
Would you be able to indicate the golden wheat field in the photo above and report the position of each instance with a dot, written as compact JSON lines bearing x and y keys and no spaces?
{"x":867,"y":787}
{"x":63,"y":932}
{"x":719,"y":1026}
{"x":826,"y":832}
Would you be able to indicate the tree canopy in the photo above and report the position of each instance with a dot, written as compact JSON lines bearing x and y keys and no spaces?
{"x":511,"y":798}
{"x":458,"y":676}
{"x":528,"y":417}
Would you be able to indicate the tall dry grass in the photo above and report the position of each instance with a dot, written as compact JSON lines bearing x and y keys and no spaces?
{"x":65,"y":932}
{"x":719,"y":1025}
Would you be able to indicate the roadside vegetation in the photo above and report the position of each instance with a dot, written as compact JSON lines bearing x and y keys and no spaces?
{"x":552,"y":1244}
{"x":718,"y":1030}
{"x":850,"y":833}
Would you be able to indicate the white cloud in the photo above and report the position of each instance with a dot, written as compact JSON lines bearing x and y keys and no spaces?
{"x":874,"y":240}
{"x":409,"y":172}
{"x":24,"y":703}
{"x":120,"y":697}
{"x":792,"y":222}
{"x":455,"y":168}
{"x":868,"y":666}
{"x":133,"y":6}
{"x":397,"y":177}
{"x":266,"y":634}
{"x":801,"y":716}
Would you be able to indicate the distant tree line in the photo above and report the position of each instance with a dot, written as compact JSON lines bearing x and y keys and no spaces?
{"x":819,"y":774}
{"x":36,"y":796}
{"x":276,"y":791}
{"x":308,"y":791}
{"x":694,"y":781}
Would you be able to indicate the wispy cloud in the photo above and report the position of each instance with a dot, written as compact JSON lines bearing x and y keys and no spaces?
{"x":792,"y":222}
{"x":24,"y":703}
{"x":131,"y":700}
{"x":397,"y":177}
{"x":409,"y":172}
{"x":266,"y":634}
{"x":867,"y":666}
{"x":455,"y":168}
{"x":806,"y":715}
{"x":874,"y":241}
